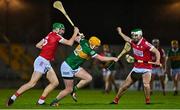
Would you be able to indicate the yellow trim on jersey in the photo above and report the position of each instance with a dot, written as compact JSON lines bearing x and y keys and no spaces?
{"x":78,"y":52}
{"x":175,"y":58}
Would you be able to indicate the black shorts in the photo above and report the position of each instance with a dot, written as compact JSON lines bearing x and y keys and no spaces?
{"x":136,"y":76}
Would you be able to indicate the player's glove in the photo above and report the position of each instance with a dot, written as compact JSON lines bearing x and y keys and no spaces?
{"x":130,"y":59}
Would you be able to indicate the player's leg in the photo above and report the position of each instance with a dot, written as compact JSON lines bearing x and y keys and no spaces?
{"x":51,"y":76}
{"x":68,"y":77}
{"x":84,"y":76}
{"x":107,"y":81}
{"x":112,"y":79}
{"x":154,"y":72}
{"x":68,"y":89}
{"x":126,"y":84}
{"x":162,"y":81}
{"x":146,"y":81}
{"x":85,"y":79}
{"x":161,"y":76}
{"x":35,"y":77}
{"x":178,"y":79}
{"x":175,"y":75}
{"x":151,"y":83}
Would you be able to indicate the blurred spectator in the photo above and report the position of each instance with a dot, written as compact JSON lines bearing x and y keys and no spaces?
{"x":108,"y":75}
{"x":157,"y":70}
{"x":174,"y":58}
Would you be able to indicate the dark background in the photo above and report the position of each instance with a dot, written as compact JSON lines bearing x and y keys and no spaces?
{"x":28,"y":21}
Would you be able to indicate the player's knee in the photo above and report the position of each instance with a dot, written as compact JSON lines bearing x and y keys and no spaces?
{"x":69,"y":89}
{"x":146,"y":85}
{"x":89,"y":79}
{"x":55,"y":83}
{"x":31,"y":84}
{"x":125,"y":87}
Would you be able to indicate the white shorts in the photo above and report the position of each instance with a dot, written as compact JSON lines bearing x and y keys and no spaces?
{"x":106,"y":72}
{"x":67,"y":72}
{"x":141,"y":70}
{"x":157,"y":71}
{"x":175,"y":71}
{"x":41,"y":65}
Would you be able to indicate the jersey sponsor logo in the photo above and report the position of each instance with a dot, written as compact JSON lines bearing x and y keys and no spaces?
{"x":138,"y":52}
{"x":66,"y":73}
{"x":79,"y":52}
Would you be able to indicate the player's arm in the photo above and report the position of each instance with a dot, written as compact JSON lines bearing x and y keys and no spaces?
{"x":164,"y":60}
{"x":70,"y":42}
{"x":157,"y":54}
{"x":40,"y":44}
{"x":104,"y":58}
{"x":125,"y":37}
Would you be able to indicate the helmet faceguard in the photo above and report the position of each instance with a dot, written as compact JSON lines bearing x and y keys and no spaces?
{"x":94,"y":42}
{"x":136,"y":34}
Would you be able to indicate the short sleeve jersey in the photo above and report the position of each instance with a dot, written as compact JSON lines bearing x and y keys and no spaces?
{"x":141,"y":51}
{"x":81,"y":53}
{"x":162,"y":55}
{"x":50,"y":45}
{"x":174,"y":57}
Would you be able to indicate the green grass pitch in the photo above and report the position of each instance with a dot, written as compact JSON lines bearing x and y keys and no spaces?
{"x":92,"y":99}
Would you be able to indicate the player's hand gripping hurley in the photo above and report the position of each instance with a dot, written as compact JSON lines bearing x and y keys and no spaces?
{"x":126,"y":49}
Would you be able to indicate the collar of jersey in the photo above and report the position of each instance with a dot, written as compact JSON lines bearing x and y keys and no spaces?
{"x":140,"y":41}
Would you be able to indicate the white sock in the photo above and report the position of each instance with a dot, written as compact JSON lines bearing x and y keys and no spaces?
{"x":13,"y":97}
{"x":40,"y":101}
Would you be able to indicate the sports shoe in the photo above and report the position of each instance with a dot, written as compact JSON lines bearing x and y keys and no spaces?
{"x":54,"y":104}
{"x":41,"y":104}
{"x":175,"y":92}
{"x":113,"y":102}
{"x":73,"y":95}
{"x":10,"y":102}
{"x":147,"y":101}
{"x":164,"y":93}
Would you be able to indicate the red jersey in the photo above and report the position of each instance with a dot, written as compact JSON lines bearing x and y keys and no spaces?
{"x":141,"y":51}
{"x":162,"y":55}
{"x":50,"y":45}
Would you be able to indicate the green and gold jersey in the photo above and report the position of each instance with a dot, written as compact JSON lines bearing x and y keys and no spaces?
{"x":81,"y":53}
{"x":174,"y":57}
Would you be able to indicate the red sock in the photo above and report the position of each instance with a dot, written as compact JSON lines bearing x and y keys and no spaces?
{"x":17,"y":94}
{"x":42,"y":98}
{"x":147,"y":100}
{"x":116,"y":99}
